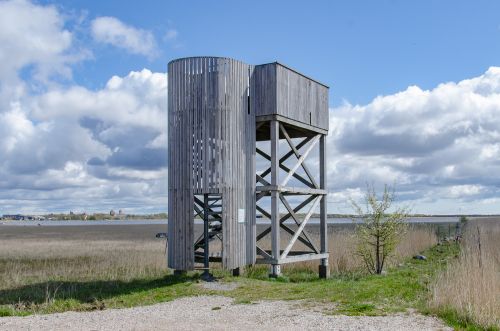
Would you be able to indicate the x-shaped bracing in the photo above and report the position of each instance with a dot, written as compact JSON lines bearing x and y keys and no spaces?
{"x":199,"y":207}
{"x":300,"y":234}
{"x":301,"y":158}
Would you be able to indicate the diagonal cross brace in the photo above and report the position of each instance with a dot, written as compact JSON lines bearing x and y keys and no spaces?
{"x":301,"y":160}
{"x":297,"y":154}
{"x":295,"y":218}
{"x":301,"y":228}
{"x":286,"y":156}
{"x":199,"y":202}
{"x":307,"y":242}
{"x":287,"y":216}
{"x":199,"y":212}
{"x":284,"y":167}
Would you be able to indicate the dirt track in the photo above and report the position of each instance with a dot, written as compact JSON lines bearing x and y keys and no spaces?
{"x":218,"y":313}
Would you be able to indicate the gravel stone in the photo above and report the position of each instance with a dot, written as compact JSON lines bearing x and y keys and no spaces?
{"x":218,"y":313}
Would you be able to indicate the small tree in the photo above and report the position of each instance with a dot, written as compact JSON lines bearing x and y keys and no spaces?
{"x":380,"y":231}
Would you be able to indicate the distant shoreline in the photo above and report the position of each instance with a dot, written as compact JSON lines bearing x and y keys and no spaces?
{"x":312,"y":221}
{"x":163,"y":217}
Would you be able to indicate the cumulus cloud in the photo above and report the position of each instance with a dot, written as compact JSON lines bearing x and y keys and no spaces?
{"x":88,"y":140}
{"x":34,"y":43}
{"x":434,"y":144}
{"x":67,"y":146}
{"x":112,"y":31}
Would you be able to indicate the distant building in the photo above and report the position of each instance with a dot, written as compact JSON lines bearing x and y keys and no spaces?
{"x":16,"y":217}
{"x":19,"y":217}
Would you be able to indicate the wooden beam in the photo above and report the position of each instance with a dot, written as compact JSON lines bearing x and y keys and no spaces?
{"x":199,"y":212}
{"x":297,"y":154}
{"x":275,"y":231}
{"x":208,"y":208}
{"x":262,"y":180}
{"x":323,"y":205}
{"x":324,"y":269}
{"x":286,"y":156}
{"x":284,"y":167}
{"x":294,"y":258}
{"x":262,"y":211}
{"x":301,"y":227}
{"x":301,"y":159}
{"x":263,"y":253}
{"x":288,"y":189}
{"x":287,"y":216}
{"x":289,"y":121}
{"x":303,"y":257}
{"x":296,"y":219}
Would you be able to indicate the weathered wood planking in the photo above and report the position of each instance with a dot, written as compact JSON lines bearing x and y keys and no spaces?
{"x":213,"y":106}
{"x":283,"y":91}
{"x":211,"y":150}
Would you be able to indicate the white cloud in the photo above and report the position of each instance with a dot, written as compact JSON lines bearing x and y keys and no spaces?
{"x":94,"y":149}
{"x":63,"y":145}
{"x":138,"y":99}
{"x":112,"y":31}
{"x":446,"y":138}
{"x":33,"y":38}
{"x":461,"y":191}
{"x":67,"y":145}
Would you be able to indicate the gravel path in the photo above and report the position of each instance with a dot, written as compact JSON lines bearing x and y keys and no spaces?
{"x":217,"y":313}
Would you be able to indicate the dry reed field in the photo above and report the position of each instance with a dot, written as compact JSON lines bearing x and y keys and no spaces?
{"x":470,"y":286}
{"x":95,"y":253}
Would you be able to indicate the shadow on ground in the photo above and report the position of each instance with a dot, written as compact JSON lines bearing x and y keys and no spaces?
{"x":85,"y":292}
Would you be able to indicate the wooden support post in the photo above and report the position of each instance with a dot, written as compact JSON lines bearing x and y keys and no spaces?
{"x":324,"y":270}
{"x":275,"y":219}
{"x":206,"y":257}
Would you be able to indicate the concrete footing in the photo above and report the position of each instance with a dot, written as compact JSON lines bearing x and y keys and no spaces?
{"x":274,"y":270}
{"x":324,"y":271}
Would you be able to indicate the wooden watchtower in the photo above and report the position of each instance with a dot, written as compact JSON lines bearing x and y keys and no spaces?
{"x":219,"y":113}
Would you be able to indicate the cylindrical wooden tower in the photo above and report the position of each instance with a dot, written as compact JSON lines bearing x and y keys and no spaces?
{"x":211,"y":142}
{"x":218,"y":108}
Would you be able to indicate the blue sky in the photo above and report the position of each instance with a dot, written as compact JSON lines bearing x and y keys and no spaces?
{"x":415,"y":96}
{"x":360,"y":48}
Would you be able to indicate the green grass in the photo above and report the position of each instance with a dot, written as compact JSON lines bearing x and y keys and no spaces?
{"x":354,"y":294}
{"x":458,"y":322}
{"x":351,"y":294}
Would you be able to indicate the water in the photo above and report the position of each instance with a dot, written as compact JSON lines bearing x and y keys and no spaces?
{"x":434,"y":220}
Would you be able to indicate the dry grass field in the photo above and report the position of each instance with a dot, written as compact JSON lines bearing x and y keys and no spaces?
{"x":46,"y":269}
{"x":30,"y":255}
{"x":470,"y":287}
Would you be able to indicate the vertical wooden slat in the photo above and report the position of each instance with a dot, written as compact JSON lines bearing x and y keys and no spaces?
{"x":323,"y":206}
{"x":287,"y":93}
{"x":212,"y":144}
{"x":275,"y":234}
